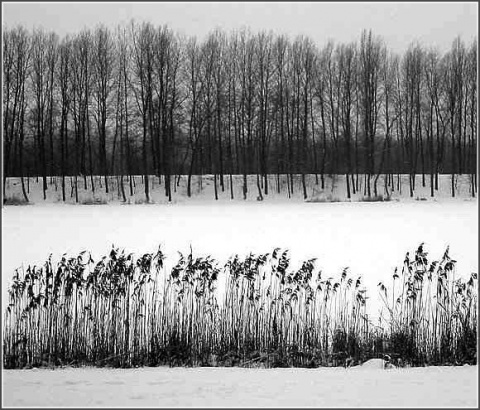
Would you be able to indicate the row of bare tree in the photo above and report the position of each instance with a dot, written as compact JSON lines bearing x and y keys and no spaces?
{"x":144,"y":100}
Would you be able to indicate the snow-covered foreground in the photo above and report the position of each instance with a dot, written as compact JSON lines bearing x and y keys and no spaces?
{"x":238,"y":387}
{"x":369,"y":238}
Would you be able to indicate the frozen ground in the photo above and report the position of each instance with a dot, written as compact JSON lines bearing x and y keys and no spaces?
{"x":202,"y":189}
{"x":370,"y":238}
{"x":237,"y":387}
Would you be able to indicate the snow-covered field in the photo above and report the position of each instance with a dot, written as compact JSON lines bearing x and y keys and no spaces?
{"x":369,"y":238}
{"x":237,"y":387}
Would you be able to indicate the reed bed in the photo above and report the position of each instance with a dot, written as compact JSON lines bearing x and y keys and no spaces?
{"x":123,"y":311}
{"x":431,"y":315}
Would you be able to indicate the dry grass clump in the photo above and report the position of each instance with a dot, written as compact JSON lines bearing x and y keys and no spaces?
{"x":324,"y":199}
{"x":94,"y":201}
{"x":376,"y":198}
{"x":288,"y":318}
{"x":15,"y":200}
{"x":124,"y":311}
{"x":143,"y":201}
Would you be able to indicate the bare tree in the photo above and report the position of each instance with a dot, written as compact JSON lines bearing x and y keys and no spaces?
{"x":10,"y":98}
{"x":233,"y":128}
{"x":167,"y":58}
{"x":82,"y":71}
{"x":454,"y":61}
{"x":263,"y":63}
{"x":17,"y":59}
{"x":196,"y":116}
{"x":280,"y":50}
{"x":42,"y":83}
{"x":52,"y":57}
{"x":347,"y":65}
{"x":432,"y":80}
{"x":472,"y":101}
{"x":388,"y":74}
{"x":65,"y":87}
{"x":371,"y":49}
{"x":143,"y":59}
{"x":321,"y":94}
{"x":103,"y":59}
{"x":125,"y":80}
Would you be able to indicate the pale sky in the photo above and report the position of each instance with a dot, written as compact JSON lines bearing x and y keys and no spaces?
{"x":433,"y":24}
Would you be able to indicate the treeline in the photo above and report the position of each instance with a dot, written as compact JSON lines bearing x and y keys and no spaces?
{"x":144,"y":100}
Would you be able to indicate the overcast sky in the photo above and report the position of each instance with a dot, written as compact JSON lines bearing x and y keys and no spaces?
{"x":433,"y":24}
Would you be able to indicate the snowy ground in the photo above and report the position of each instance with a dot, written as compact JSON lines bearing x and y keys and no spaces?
{"x":237,"y":387}
{"x":370,"y":238}
{"x":202,"y":189}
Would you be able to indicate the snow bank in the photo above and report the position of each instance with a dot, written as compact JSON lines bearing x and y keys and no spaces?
{"x":237,"y":387}
{"x":372,"y":364}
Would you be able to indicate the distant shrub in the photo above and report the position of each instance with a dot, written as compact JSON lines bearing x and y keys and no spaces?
{"x":324,"y":199}
{"x":420,"y":198}
{"x":142,"y":201}
{"x":15,"y":200}
{"x":137,"y":201}
{"x":94,"y":201}
{"x":376,"y":198}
